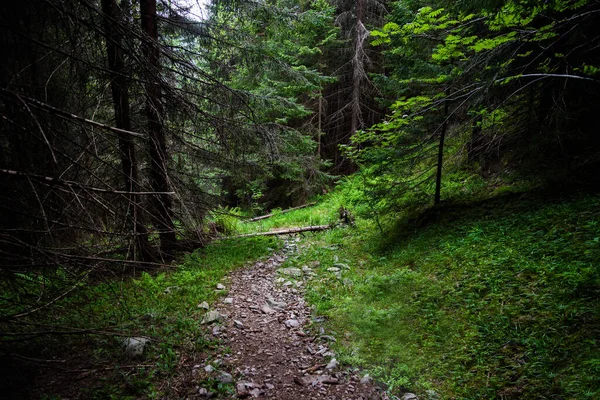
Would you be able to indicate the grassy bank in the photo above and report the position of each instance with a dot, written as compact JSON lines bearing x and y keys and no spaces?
{"x":498,"y":299}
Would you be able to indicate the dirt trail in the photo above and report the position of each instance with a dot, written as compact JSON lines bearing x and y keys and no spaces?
{"x":274,"y":355}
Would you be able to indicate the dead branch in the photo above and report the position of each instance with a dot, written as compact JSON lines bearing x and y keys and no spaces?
{"x":313,"y":228}
{"x":67,"y":115}
{"x":70,"y":184}
{"x":282,"y":212}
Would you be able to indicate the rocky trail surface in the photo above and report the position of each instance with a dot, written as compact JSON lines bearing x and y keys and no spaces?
{"x":275,"y":353}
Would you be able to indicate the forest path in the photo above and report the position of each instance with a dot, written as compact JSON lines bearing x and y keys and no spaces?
{"x":273,"y":355}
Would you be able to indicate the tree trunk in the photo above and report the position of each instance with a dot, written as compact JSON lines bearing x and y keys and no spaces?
{"x":440,"y":160}
{"x":114,"y":31}
{"x":358,"y":68}
{"x":320,"y":127}
{"x":163,"y":207}
{"x":475,"y":144}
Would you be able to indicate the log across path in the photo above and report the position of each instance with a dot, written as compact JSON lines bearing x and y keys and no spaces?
{"x":284,"y":231}
{"x":278,"y":349}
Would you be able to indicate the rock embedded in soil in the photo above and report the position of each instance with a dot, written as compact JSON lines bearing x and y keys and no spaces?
{"x":410,"y":396}
{"x":220,"y":286}
{"x":228,"y":300}
{"x":295,"y":272}
{"x":332,"y":364}
{"x":134,"y":346}
{"x":341,"y":265}
{"x":238,"y":324}
{"x":204,"y":305}
{"x":292,"y":323}
{"x":212,"y":316}
{"x":225,"y":378}
{"x":241,"y":390}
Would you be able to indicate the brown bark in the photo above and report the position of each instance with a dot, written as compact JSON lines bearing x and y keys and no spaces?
{"x":475,"y":144}
{"x":163,"y":207}
{"x":314,"y":228}
{"x":440,"y":160}
{"x":114,"y":32}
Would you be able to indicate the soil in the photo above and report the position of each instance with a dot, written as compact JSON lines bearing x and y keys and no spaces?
{"x":277,"y":351}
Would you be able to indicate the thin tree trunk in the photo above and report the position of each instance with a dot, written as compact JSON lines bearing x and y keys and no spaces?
{"x":358,"y":66}
{"x":163,"y":213}
{"x":320,"y":124}
{"x":474,"y":145}
{"x":440,"y":160}
{"x":114,"y":31}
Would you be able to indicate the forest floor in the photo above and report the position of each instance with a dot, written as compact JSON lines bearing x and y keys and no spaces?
{"x":498,"y":299}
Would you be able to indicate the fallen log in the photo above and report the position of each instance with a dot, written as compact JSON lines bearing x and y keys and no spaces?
{"x":288,"y":231}
{"x":282,"y":212}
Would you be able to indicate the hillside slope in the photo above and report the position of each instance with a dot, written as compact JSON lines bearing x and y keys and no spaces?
{"x":492,"y":300}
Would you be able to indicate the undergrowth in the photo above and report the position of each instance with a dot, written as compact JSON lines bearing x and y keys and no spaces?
{"x":162,"y":306}
{"x":496,"y":299}
{"x":233,"y":221}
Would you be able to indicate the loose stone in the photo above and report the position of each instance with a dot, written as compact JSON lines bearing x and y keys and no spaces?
{"x":212,"y":316}
{"x":292,"y":323}
{"x":296,"y":272}
{"x":332,"y":364}
{"x":266,"y":309}
{"x":134,"y":346}
{"x":277,"y":305}
{"x":225,"y":378}
{"x":238,"y":324}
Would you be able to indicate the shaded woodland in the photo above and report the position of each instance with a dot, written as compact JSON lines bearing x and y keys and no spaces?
{"x":129,"y":130}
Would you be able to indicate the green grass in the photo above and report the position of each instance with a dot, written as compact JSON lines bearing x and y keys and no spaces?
{"x":162,"y":306}
{"x":235,"y":222}
{"x":496,"y":300}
